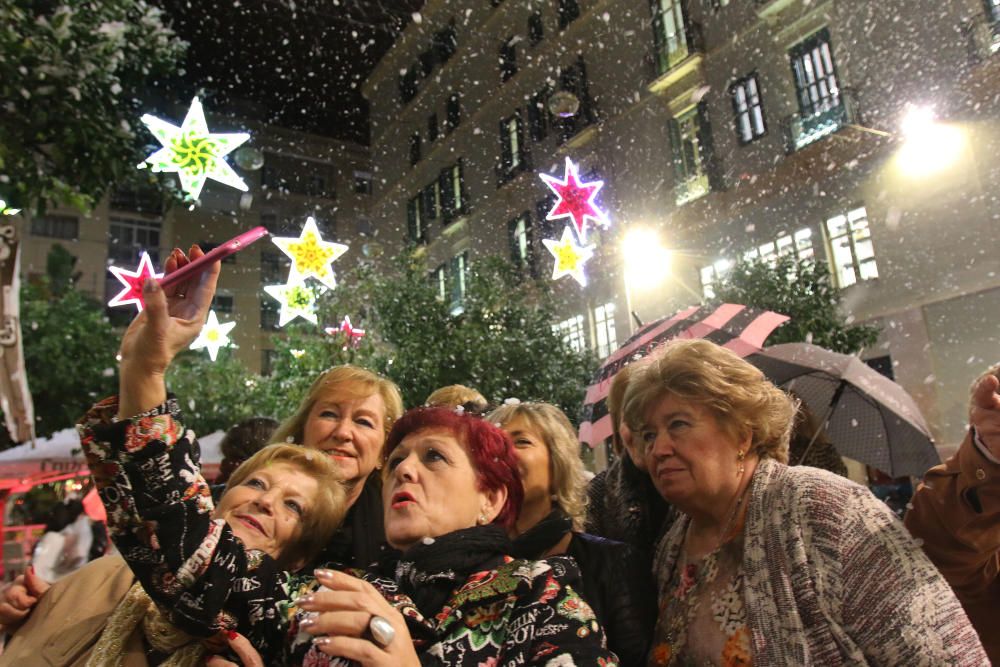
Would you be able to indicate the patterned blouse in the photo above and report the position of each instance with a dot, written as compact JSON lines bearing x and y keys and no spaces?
{"x":148,"y":475}
{"x":702,"y":620}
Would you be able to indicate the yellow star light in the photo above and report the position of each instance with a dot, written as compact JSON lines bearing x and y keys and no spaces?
{"x":213,"y":336}
{"x":570,"y":257}
{"x":297,"y":300}
{"x":311,"y":256}
{"x":193,"y":152}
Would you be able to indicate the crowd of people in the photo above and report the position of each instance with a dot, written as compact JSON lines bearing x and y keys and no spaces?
{"x":453,"y":534}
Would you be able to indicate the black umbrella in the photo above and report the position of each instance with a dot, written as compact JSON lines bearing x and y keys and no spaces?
{"x":868,"y":417}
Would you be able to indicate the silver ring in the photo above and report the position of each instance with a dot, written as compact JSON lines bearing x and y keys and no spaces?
{"x":382,"y":631}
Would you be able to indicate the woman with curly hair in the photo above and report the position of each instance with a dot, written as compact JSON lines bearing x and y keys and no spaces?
{"x":771,"y":564}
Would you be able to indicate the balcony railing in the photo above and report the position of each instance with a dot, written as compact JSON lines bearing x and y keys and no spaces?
{"x":692,"y":188}
{"x":982,"y":34}
{"x":839,"y":111}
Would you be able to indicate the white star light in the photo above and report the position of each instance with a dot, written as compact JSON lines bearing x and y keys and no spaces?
{"x":213,"y":336}
{"x":193,"y":152}
{"x":311,"y":256}
{"x":570,"y":257}
{"x":297,"y":300}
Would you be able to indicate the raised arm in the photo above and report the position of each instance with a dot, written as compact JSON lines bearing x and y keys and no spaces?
{"x":169,"y":323}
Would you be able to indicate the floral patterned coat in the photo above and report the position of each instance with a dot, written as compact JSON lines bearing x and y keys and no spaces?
{"x":519,"y":612}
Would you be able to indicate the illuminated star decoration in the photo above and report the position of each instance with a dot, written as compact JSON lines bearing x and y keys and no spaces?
{"x":297,"y":300}
{"x":570,"y":257}
{"x":576,"y":200}
{"x":311,"y":256}
{"x":193,"y":152}
{"x":213,"y":336}
{"x":133,"y":282}
{"x":353,"y":334}
{"x":6,"y":210}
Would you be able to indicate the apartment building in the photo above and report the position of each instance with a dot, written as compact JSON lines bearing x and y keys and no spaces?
{"x":728,"y":128}
{"x":302,"y":175}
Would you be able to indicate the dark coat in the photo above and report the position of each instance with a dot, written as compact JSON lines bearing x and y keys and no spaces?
{"x":620,"y":589}
{"x":624,"y":505}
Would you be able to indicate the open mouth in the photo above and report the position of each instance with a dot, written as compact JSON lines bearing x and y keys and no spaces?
{"x":400,"y":498}
{"x":252,"y":523}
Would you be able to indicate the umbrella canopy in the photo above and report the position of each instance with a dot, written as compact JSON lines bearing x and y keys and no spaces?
{"x":869,"y":417}
{"x":739,"y":328}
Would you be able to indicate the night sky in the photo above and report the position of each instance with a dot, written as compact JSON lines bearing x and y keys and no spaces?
{"x":300,"y":63}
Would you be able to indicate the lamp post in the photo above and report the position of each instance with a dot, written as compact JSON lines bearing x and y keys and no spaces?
{"x":647,"y":264}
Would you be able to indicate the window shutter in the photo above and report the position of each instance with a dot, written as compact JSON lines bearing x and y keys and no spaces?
{"x":676,"y":151}
{"x":710,"y":162}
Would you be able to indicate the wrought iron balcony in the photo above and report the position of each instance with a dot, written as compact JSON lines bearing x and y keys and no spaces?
{"x":834,"y":113}
{"x":691,"y":41}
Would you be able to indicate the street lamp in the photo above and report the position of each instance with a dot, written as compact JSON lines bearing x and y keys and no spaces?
{"x":647,"y":264}
{"x":929,"y":146}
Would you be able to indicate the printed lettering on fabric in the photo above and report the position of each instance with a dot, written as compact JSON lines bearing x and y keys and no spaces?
{"x":246,"y":584}
{"x":198,"y":563}
{"x":226,"y":560}
{"x":158,"y":474}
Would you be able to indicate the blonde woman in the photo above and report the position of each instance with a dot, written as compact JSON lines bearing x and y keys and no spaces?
{"x":551,"y":521}
{"x":771,"y":564}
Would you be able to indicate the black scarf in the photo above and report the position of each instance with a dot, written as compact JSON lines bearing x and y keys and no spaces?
{"x":535,"y":542}
{"x":358,"y":542}
{"x":429,"y":573}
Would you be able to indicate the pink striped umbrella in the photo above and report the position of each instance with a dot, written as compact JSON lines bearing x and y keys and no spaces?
{"x":740,"y":328}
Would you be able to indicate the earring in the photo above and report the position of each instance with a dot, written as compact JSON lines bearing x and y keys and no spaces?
{"x":739,"y":457}
{"x":482,"y":520}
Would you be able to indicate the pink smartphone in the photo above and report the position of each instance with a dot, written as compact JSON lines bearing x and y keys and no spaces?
{"x":224,"y":250}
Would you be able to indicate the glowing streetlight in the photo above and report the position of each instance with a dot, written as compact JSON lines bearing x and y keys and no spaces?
{"x":929,"y":146}
{"x":647,"y":263}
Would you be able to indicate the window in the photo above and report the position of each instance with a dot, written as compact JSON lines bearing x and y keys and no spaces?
{"x":127,"y":239}
{"x":453,"y":198}
{"x":432,"y":127}
{"x":571,"y":332}
{"x":273,"y":267}
{"x":223,"y":304}
{"x":799,"y":245}
{"x":316,"y":186}
{"x":687,"y":141}
{"x":851,"y":251}
{"x":408,"y":85}
{"x":508,"y":59}
{"x":670,"y":39}
{"x":430,"y":201}
{"x":815,"y":75}
{"x":270,"y":311}
{"x":415,"y":221}
{"x":538,"y":115}
{"x":454,"y":111}
{"x":607,"y":337}
{"x":267,"y":359}
{"x":512,"y":154}
{"x":414,"y":149}
{"x":440,"y":280}
{"x":445,"y":43}
{"x":574,"y":80}
{"x":457,"y":274}
{"x":137,"y":198}
{"x":711,"y":275}
{"x":362,"y":183}
{"x":569,"y":11}
{"x":748,"y":109}
{"x":536,"y":28}
{"x":56,"y":227}
{"x":519,"y":236}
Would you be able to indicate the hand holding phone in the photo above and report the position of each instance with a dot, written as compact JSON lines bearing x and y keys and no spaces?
{"x":222,"y":251}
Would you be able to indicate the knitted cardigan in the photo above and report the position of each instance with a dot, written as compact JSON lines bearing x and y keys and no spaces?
{"x":831,"y":577}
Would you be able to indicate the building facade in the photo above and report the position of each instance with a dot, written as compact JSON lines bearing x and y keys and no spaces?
{"x":728,"y":129}
{"x":302,"y":175}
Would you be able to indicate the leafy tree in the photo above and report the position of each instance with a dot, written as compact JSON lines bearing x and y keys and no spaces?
{"x":69,"y":347}
{"x":502,"y":342}
{"x":216,"y":394}
{"x":803,"y":291}
{"x":71,"y":79}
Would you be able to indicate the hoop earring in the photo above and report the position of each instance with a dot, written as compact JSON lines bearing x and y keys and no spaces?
{"x":741,"y":455}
